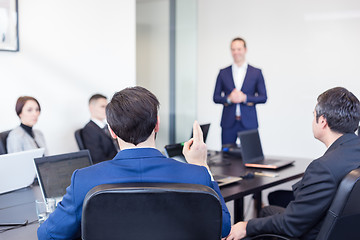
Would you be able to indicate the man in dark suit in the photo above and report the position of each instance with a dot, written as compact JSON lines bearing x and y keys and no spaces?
{"x":95,"y":134}
{"x":133,"y":120}
{"x":239,"y":88}
{"x":336,"y":118}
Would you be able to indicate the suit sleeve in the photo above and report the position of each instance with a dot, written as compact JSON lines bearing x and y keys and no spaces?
{"x":226,"y":221}
{"x":13,"y":143}
{"x":261,"y":95}
{"x":218,"y":98}
{"x":93,"y":144}
{"x":64,"y":222}
{"x":312,"y":199}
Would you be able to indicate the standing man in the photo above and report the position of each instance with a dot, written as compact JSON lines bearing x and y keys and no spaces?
{"x":336,"y":118}
{"x":239,"y":88}
{"x":95,"y":134}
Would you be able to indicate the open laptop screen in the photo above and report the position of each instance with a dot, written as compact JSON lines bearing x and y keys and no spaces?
{"x":54,"y":172}
{"x":251,"y":146}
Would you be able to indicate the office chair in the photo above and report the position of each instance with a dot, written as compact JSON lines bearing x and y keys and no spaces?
{"x":3,"y":138}
{"x":151,"y":211}
{"x":79,"y":139}
{"x":343,"y":217}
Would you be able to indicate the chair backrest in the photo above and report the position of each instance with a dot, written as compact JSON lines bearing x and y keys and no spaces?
{"x":151,"y":211}
{"x":343,"y":217}
{"x":79,"y":139}
{"x":3,"y":138}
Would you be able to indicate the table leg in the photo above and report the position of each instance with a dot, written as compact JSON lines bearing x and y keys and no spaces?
{"x":258,"y":202}
{"x":238,"y":210}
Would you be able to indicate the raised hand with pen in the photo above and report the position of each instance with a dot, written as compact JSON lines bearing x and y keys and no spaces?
{"x":195,"y":150}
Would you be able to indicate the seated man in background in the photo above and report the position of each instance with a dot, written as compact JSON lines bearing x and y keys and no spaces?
{"x":133,"y":120}
{"x":336,"y":118}
{"x":95,"y":134}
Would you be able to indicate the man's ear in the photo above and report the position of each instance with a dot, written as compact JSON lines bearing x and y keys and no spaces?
{"x":157,"y":126}
{"x":322,"y":120}
{"x":113,"y":135}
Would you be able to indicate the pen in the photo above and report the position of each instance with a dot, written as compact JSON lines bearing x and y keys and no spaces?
{"x":266,"y":174}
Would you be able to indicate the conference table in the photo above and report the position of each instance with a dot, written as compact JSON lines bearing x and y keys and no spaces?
{"x":221,"y":164}
{"x":19,"y":205}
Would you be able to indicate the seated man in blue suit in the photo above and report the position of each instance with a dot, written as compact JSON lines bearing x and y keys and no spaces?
{"x":239,"y":88}
{"x":133,"y":120}
{"x":336,"y":118}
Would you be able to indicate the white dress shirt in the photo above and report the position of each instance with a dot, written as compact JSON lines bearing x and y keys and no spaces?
{"x":100,"y":123}
{"x":239,"y":74}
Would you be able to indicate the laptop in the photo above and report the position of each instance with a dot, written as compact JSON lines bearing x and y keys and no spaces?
{"x":252,"y":153}
{"x":174,"y":151}
{"x":54,"y":172}
{"x":17,"y":169}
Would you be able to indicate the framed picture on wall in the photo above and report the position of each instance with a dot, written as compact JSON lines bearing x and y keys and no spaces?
{"x":9,"y":34}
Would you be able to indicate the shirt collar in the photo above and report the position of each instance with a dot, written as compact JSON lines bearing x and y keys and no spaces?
{"x":101,"y":124}
{"x":138,"y":153}
{"x":236,"y":67}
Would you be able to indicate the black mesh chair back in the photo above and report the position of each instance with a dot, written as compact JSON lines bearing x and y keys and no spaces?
{"x":3,"y":138}
{"x":343,"y":218}
{"x":79,"y":139}
{"x":151,"y":211}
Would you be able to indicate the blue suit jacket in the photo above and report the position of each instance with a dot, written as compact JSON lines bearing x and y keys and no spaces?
{"x":253,"y":86}
{"x":132,"y":165}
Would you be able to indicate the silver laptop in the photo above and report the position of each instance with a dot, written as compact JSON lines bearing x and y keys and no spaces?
{"x":252,"y":153}
{"x":17,"y":169}
{"x":54,"y":172}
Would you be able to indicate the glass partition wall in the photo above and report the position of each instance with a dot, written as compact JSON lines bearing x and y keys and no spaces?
{"x":166,"y":63}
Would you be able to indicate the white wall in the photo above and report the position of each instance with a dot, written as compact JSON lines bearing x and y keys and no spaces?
{"x":69,"y":50}
{"x":303,"y":48}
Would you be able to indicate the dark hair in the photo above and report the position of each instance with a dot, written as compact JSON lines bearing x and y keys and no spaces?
{"x":96,"y":97}
{"x":132,"y":114}
{"x":20,"y":103}
{"x":340,"y":108}
{"x":239,"y":39}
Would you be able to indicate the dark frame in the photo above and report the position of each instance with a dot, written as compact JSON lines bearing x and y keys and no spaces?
{"x":9,"y":25}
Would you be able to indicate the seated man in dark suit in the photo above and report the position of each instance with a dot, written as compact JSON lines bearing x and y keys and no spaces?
{"x":133,"y":120}
{"x":95,"y":134}
{"x":336,"y":118}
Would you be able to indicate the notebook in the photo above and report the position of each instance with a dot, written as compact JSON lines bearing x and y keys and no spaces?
{"x":252,"y":154}
{"x":17,"y":169}
{"x":54,"y":172}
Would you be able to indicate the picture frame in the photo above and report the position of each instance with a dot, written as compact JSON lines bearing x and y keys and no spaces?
{"x":9,"y":27}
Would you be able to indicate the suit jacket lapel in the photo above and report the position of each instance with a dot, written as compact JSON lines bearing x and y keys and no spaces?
{"x":230,"y":75}
{"x":99,"y":129}
{"x":246,"y":79}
